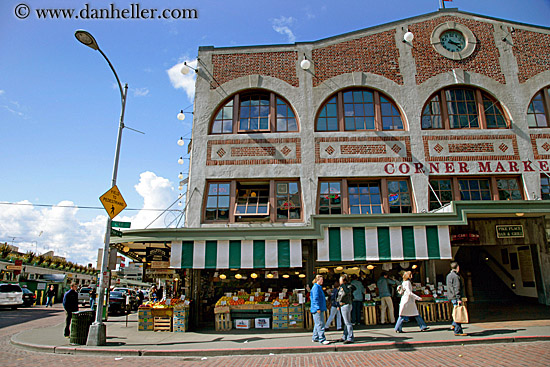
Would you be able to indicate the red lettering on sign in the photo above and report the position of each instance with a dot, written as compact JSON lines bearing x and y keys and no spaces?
{"x":513,"y":166}
{"x":449,"y":167}
{"x":527,"y":166}
{"x":463,"y":167}
{"x":543,"y":165}
{"x":500,"y":167}
{"x":484,"y":167}
{"x":404,"y":168}
{"x":434,"y":167}
{"x":389,"y":168}
{"x":419,"y":167}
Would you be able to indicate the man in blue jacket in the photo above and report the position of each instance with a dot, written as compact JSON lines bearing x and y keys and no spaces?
{"x":70,"y":304}
{"x":318,"y":307}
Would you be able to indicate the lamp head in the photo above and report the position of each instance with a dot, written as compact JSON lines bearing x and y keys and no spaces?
{"x":305,"y":64}
{"x":408,"y":37}
{"x":86,"y":39}
{"x":181,"y":115}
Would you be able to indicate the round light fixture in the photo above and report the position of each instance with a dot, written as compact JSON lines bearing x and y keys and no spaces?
{"x":181,"y":142}
{"x":301,"y":276}
{"x":126,"y":249}
{"x":238,"y":276}
{"x":176,"y":279}
{"x":408,"y":36}
{"x":185,"y":69}
{"x":355,"y":268}
{"x":223,"y":276}
{"x":414,"y":266}
{"x":180,"y":204}
{"x":370,"y":267}
{"x":296,"y":272}
{"x":253,"y":275}
{"x":520,"y":214}
{"x":181,"y":115}
{"x":180,"y":176}
{"x":339,"y":268}
{"x":180,"y":187}
{"x":286,"y":276}
{"x":180,"y":161}
{"x":270,"y":275}
{"x":305,"y":64}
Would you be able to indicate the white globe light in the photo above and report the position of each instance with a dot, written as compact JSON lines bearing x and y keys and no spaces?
{"x":181,"y":116}
{"x":180,"y":187}
{"x":181,"y":142}
{"x":180,"y":161}
{"x":408,"y":37}
{"x":185,"y":70}
{"x":305,"y":64}
{"x":180,"y":176}
{"x":180,"y":204}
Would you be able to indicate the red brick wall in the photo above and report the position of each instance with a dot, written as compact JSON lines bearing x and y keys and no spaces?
{"x":429,"y":63}
{"x":490,"y":140}
{"x":346,"y":139}
{"x":375,"y":54}
{"x":471,"y":148}
{"x":281,"y":65}
{"x":362,"y":149}
{"x":253,"y":151}
{"x":532,"y":52}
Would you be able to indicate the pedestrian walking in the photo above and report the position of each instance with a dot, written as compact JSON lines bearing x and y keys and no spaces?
{"x":334,"y":310}
{"x":345,"y":302}
{"x":455,"y":292}
{"x":93,"y":293}
{"x":70,"y":304}
{"x":358,"y":298}
{"x":384,"y":291}
{"x":50,"y":294}
{"x":407,"y":307}
{"x":318,"y":308}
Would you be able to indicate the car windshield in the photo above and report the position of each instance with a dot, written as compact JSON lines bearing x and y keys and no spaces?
{"x":116,"y":295}
{"x":85,"y":290}
{"x":25,"y":290}
{"x":6,"y":288}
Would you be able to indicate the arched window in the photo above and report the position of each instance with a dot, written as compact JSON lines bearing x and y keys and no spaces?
{"x":463,"y":108}
{"x":359,"y":109}
{"x":254,"y":111}
{"x":538,"y":112}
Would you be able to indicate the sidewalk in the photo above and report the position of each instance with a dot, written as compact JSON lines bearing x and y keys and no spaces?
{"x":126,"y":340}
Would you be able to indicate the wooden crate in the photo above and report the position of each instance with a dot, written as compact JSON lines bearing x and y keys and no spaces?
{"x":371,"y":315}
{"x":223,"y":322}
{"x":428,"y":311}
{"x":221,"y":309}
{"x":162,"y":312}
{"x":444,"y":311}
{"x":162,"y":324}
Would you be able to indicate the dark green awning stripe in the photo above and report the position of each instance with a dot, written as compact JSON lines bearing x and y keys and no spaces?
{"x":283,"y":252}
{"x":335,"y":244}
{"x":359,"y":247}
{"x":409,"y":252}
{"x":235,"y":254}
{"x":211,"y":255}
{"x":384,"y":249}
{"x":259,"y":254}
{"x":432,"y":237}
{"x":187,"y":254}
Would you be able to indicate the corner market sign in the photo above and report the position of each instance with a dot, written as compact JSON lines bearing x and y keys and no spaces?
{"x":113,"y":202}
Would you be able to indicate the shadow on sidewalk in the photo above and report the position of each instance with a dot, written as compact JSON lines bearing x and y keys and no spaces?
{"x":495,"y":332}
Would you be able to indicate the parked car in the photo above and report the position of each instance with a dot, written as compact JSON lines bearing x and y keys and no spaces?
{"x":117,"y":303}
{"x":133,"y":302}
{"x":11,"y":295}
{"x":29,"y":298}
{"x":84,"y":295}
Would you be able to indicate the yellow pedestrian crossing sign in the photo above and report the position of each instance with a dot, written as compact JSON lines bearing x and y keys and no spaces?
{"x":113,"y":202}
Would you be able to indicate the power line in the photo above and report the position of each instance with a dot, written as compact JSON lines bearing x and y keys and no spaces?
{"x":82,"y":207}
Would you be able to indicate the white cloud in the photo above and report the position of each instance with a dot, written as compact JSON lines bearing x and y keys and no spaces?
{"x":181,"y":81}
{"x":140,"y":92}
{"x":282,"y":25}
{"x":76,"y":240}
{"x":2,"y":91}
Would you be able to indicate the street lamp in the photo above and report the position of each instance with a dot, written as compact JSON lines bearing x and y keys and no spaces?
{"x":98,"y":332}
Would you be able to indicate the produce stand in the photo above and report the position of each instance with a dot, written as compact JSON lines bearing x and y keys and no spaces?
{"x":167,"y":316}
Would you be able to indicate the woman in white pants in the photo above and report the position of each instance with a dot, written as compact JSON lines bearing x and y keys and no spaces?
{"x":334,"y":311}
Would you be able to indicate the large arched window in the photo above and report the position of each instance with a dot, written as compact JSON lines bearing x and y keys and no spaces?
{"x":538,"y":112}
{"x":254,"y":111}
{"x":463,"y":108}
{"x":359,"y":109}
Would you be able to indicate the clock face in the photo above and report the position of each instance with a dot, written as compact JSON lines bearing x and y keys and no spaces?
{"x":453,"y":41}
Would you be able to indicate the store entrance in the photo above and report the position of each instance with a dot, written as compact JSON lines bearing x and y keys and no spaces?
{"x":501,"y":282}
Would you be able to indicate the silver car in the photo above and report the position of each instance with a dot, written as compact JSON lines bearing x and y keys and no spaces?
{"x":84,"y":295}
{"x":11,"y":295}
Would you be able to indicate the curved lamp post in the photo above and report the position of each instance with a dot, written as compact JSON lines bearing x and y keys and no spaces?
{"x":98,"y":332}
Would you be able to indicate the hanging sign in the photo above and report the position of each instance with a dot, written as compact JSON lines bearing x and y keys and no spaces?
{"x":510,"y":231}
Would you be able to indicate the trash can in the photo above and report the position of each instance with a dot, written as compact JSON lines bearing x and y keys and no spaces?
{"x":80,"y":324}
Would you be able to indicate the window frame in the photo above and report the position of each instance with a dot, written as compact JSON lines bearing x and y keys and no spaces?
{"x":544,"y":177}
{"x":340,"y":112}
{"x":545,"y":94}
{"x":318,"y":202}
{"x":272,"y":118}
{"x":205,"y":201}
{"x":480,"y":108}
{"x":275,"y":197}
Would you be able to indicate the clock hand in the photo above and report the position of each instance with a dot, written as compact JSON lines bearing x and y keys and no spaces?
{"x":455,"y":43}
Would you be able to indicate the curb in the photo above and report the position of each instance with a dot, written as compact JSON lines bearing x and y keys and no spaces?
{"x":279,"y":350}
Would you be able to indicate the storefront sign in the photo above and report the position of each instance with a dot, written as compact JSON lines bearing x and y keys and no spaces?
{"x":160,"y":264}
{"x":511,"y":231}
{"x":157,"y":254}
{"x":474,"y":167}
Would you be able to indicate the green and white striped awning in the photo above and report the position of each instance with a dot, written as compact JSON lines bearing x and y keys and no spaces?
{"x":384,"y":243}
{"x":238,"y":254}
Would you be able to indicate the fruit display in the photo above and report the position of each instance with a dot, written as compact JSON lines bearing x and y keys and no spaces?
{"x":174,"y":303}
{"x":257,"y":298}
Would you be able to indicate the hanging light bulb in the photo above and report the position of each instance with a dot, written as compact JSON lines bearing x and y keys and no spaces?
{"x":223,"y":276}
{"x":180,"y":161}
{"x":253,"y":275}
{"x":370,"y":267}
{"x":286,"y":276}
{"x":181,"y":115}
{"x":339,"y":268}
{"x":180,"y":204}
{"x":180,"y":187}
{"x":185,"y":69}
{"x":301,"y":276}
{"x":270,"y":275}
{"x":238,"y":276}
{"x":181,"y":142}
{"x":414,"y":266}
{"x":305,"y":64}
{"x":180,"y":176}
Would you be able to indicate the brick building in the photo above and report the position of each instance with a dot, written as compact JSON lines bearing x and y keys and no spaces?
{"x":374,"y":151}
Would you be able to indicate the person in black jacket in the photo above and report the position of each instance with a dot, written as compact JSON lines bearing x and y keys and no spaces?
{"x":70,"y":304}
{"x":455,"y":292}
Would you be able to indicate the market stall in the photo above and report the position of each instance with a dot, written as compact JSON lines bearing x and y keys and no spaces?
{"x":169,"y":315}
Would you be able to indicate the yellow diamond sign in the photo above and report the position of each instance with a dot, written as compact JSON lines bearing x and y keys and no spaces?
{"x":113,"y":202}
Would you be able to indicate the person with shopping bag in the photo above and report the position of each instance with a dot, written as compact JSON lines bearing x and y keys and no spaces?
{"x":455,"y":292}
{"x":407,"y":306}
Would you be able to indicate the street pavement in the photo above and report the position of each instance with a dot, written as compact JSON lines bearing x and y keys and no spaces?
{"x":493,"y":344}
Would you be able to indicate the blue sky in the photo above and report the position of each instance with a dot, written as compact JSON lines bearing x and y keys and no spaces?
{"x":59,"y":106}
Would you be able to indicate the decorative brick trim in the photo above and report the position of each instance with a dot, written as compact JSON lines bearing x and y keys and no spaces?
{"x":254,"y":151}
{"x":278,"y":64}
{"x":429,"y":63}
{"x":375,"y":53}
{"x":363,"y":149}
{"x":404,"y":140}
{"x":537,"y":154}
{"x":532,"y":52}
{"x":481,"y":147}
